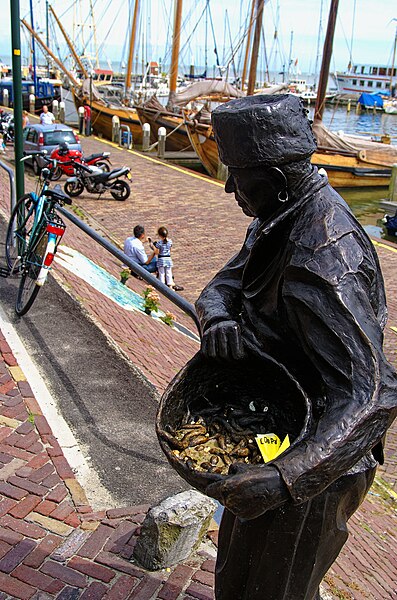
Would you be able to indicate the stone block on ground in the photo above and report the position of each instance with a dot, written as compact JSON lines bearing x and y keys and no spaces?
{"x":172,"y":530}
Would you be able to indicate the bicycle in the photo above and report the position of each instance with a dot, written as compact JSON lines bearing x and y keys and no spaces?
{"x":33,"y":235}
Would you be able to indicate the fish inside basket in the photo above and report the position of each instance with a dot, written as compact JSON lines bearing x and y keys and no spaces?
{"x":211,"y":412}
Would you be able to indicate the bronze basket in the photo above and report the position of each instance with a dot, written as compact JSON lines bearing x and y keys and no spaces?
{"x":204,"y":382}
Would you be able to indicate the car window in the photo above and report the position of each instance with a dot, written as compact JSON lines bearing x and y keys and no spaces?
{"x":53,"y":138}
{"x":31,"y":137}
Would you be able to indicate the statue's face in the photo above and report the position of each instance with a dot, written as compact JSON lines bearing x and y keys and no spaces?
{"x":253,"y":192}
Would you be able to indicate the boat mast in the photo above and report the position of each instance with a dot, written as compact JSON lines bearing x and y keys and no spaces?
{"x":176,"y":38}
{"x":131,"y":50}
{"x":393,"y":62}
{"x":320,"y":30}
{"x":47,"y":29}
{"x":33,"y":50}
{"x":255,"y":47}
{"x":70,"y":45}
{"x":327,"y":52}
{"x":48,"y":51}
{"x":290,"y":55}
{"x":248,"y":48}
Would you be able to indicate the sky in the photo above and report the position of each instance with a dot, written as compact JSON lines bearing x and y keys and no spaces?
{"x":365,"y":31}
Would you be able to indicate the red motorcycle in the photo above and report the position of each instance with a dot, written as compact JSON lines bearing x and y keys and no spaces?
{"x":64,"y":158}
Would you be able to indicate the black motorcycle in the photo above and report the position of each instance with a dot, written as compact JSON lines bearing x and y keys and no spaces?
{"x":96,"y":181}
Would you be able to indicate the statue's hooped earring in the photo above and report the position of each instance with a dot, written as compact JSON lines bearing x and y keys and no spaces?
{"x":283,"y":195}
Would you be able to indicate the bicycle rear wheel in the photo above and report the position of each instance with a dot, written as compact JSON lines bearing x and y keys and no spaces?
{"x":18,"y":231}
{"x":28,"y":288}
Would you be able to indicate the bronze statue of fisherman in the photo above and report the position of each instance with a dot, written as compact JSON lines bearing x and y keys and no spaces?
{"x":307,"y":290}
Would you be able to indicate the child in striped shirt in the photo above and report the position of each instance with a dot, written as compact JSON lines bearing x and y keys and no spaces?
{"x":164,"y":260}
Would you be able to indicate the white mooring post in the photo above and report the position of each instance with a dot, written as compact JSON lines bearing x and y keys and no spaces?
{"x":145,"y":137}
{"x":115,"y":129}
{"x":32,"y":103}
{"x":5,"y":98}
{"x":161,"y":145}
{"x":55,"y":108}
{"x":62,"y":112}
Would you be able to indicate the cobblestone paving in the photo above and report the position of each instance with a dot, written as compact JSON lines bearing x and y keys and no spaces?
{"x":51,"y":545}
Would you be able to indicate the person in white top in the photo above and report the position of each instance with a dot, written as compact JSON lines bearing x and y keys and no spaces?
{"x":46,"y":117}
{"x":134,"y":249}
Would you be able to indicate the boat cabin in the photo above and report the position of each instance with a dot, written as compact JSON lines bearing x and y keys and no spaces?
{"x":367,"y":78}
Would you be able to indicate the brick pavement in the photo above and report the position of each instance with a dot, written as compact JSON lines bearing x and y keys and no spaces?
{"x":52,"y":544}
{"x":194,"y":208}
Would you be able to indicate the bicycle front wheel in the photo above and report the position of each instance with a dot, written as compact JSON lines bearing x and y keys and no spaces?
{"x":28,"y":288}
{"x":18,"y":231}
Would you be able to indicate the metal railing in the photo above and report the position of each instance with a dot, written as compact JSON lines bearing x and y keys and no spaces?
{"x":13,"y":194}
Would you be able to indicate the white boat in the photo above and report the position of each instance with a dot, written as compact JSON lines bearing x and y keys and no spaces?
{"x":366,"y":78}
{"x":307,"y":93}
{"x":390,"y":107}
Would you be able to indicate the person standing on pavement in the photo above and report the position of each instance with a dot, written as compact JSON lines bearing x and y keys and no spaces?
{"x":134,"y":249}
{"x":164,"y":260}
{"x":87,"y":118}
{"x":25,"y":119}
{"x":46,"y":117}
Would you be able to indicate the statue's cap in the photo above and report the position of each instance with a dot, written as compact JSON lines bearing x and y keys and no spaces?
{"x":262,"y":130}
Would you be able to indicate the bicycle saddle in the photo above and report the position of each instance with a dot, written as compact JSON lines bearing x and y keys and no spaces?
{"x":58,"y":194}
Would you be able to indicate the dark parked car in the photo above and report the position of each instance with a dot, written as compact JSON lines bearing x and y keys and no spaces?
{"x":47,"y":137}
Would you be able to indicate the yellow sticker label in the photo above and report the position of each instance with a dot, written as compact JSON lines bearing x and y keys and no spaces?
{"x":270,"y":445}
{"x":17,"y":52}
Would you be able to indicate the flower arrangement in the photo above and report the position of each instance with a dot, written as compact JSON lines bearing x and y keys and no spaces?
{"x":124,"y":276}
{"x":151,"y":300}
{"x":168,"y":319}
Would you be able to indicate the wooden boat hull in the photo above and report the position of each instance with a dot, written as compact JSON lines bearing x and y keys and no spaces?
{"x":178,"y":139}
{"x":101,"y":117}
{"x":342,"y":171}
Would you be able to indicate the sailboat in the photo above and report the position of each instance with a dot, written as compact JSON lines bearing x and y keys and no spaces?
{"x":201,"y":94}
{"x":350,"y":161}
{"x":154,"y":113}
{"x":103,"y":109}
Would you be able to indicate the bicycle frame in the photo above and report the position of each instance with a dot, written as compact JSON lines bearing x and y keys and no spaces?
{"x":54,"y":229}
{"x":54,"y":232}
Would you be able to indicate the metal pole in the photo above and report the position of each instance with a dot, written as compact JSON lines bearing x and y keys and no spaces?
{"x":255,"y":48}
{"x":137,"y":269}
{"x":33,"y":50}
{"x":88,"y":125}
{"x":248,"y":47}
{"x":17,"y":93}
{"x":47,"y":41}
{"x":327,"y":52}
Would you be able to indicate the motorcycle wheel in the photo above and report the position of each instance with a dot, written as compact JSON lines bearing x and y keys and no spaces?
{"x":103,"y":165}
{"x":120,"y":190}
{"x":73,"y":188}
{"x":56,"y":174}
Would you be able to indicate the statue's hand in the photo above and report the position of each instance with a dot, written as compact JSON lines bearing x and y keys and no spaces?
{"x":250,"y":491}
{"x":223,"y":340}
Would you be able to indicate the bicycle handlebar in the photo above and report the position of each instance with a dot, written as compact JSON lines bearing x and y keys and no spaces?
{"x":42,"y":153}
